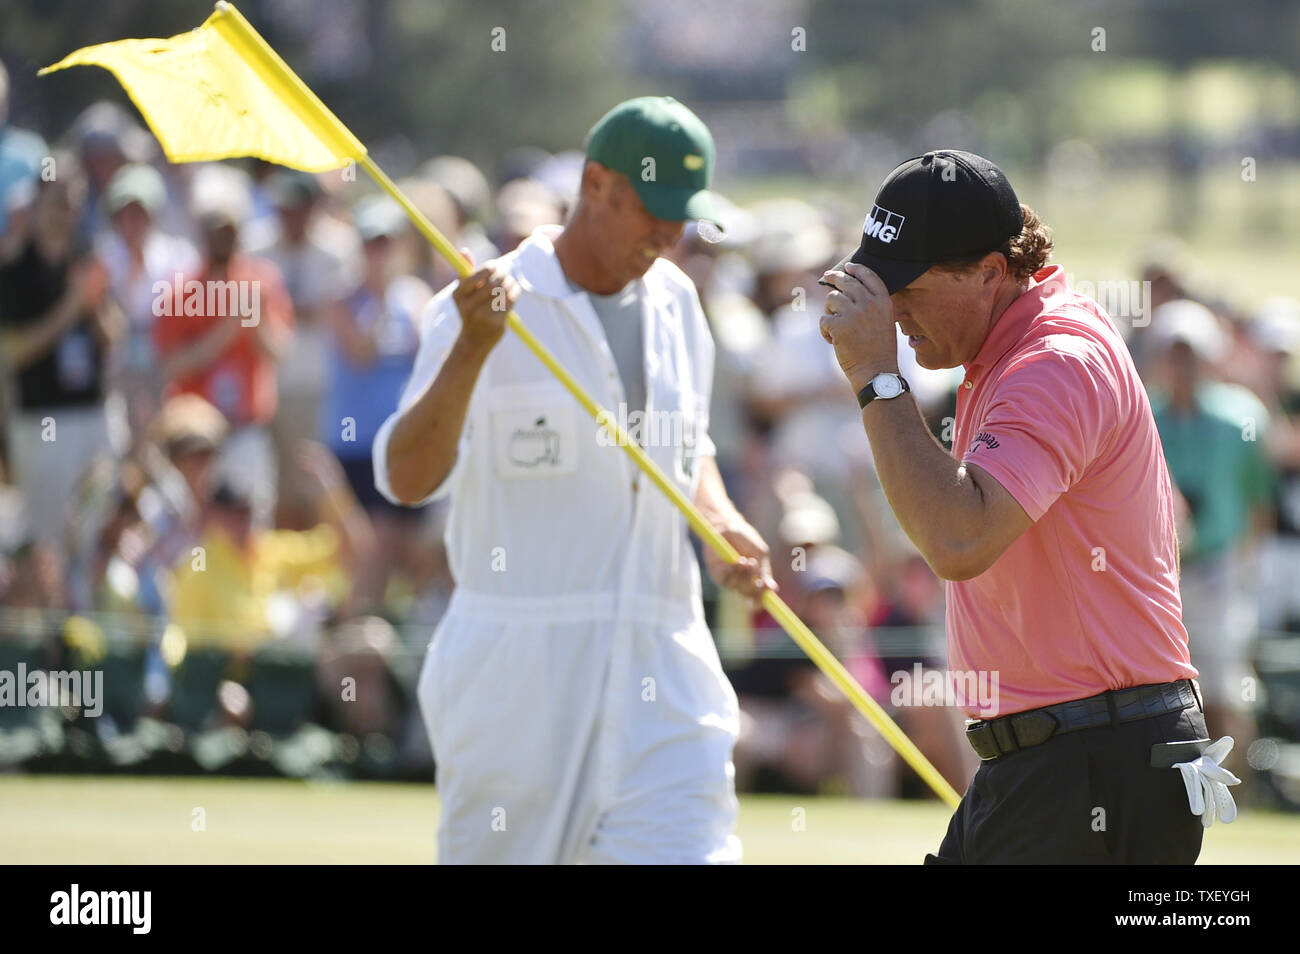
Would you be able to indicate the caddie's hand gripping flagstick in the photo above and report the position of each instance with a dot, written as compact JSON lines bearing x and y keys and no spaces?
{"x":221,"y":92}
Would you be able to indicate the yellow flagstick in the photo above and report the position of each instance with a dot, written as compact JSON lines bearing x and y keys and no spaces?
{"x":337,"y":140}
{"x":781,"y":612}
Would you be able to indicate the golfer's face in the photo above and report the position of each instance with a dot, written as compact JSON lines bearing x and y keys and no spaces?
{"x":635,"y":237}
{"x":941,"y":314}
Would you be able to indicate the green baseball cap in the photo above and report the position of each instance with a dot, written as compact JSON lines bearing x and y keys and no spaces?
{"x":665,"y":151}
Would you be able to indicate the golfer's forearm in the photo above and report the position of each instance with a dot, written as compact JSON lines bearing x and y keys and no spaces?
{"x":935,"y":501}
{"x":422,"y":446}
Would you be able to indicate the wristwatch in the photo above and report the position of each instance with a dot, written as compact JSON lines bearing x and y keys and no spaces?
{"x":884,"y":385}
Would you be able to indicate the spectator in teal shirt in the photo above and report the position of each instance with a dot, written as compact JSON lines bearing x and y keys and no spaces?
{"x":1213,"y":445}
{"x":1214,"y":437}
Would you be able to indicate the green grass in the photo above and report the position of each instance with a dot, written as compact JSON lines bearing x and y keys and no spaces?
{"x":88,"y":820}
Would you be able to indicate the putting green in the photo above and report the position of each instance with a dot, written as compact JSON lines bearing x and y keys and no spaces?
{"x":90,"y":820}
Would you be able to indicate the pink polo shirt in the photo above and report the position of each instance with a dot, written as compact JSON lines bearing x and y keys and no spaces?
{"x":1086,"y":599}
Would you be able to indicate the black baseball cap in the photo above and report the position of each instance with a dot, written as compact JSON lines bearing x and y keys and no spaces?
{"x":944,"y":206}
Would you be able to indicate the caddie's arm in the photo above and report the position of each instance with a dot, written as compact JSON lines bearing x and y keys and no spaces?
{"x":957,"y":515}
{"x":422,"y":448}
{"x":753,"y":573}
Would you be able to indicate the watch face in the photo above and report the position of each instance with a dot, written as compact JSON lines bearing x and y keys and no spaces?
{"x":887,"y":385}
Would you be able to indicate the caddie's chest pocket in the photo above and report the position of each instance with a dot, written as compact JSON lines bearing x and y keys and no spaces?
{"x":534,"y":431}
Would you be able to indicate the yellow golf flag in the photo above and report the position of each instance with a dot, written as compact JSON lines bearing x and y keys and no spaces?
{"x":219,"y":92}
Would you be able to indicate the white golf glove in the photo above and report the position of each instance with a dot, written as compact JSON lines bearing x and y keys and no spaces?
{"x":1207,"y":783}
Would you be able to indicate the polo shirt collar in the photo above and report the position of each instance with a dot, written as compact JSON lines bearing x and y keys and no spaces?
{"x":1047,"y":286}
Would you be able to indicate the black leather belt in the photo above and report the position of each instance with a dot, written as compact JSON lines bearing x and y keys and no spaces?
{"x":994,"y":738}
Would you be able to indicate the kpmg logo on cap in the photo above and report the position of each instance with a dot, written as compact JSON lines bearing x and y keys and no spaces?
{"x":882,"y":224}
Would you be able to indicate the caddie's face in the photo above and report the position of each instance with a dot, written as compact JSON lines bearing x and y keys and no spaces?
{"x":946,"y":316}
{"x":633,"y":238}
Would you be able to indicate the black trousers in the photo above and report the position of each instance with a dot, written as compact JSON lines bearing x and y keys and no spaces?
{"x":1088,"y":797}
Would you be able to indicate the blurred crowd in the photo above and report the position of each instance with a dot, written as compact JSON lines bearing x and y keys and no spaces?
{"x":188,"y":503}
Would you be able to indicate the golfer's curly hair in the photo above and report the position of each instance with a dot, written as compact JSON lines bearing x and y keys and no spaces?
{"x":1025,"y":253}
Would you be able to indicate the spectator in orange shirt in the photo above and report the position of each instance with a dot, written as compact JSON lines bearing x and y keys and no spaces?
{"x":221,"y":333}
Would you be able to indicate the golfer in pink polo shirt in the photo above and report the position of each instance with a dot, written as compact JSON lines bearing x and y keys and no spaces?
{"x":1053,"y":518}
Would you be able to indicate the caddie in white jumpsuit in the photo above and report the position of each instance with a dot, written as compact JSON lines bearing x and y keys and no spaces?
{"x":572,"y":692}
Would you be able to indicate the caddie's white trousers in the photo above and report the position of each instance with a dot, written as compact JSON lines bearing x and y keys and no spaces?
{"x":564,"y":736}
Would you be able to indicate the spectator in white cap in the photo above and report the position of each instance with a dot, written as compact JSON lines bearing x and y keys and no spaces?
{"x":524,"y":205}
{"x":716,"y":262}
{"x":797,"y":386}
{"x":138,"y":255}
{"x":1275,"y":332}
{"x":108,"y":138}
{"x":1214,"y":436}
{"x":472,"y":196}
{"x":562,"y":174}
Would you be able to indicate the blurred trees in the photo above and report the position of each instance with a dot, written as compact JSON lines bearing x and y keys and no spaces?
{"x":422,"y":76}
{"x":418,"y":77}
